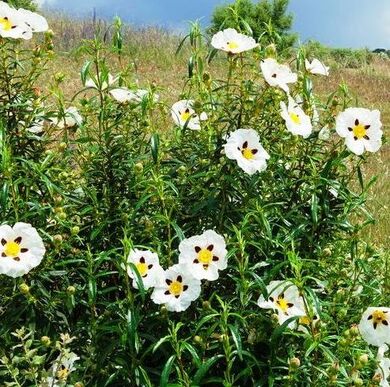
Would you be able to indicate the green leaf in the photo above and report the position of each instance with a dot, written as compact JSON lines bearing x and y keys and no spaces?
{"x":237,"y":339}
{"x":166,"y":371}
{"x":154,"y":145}
{"x":203,"y":369}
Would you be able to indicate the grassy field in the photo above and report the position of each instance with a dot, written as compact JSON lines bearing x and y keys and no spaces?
{"x":151,"y":54}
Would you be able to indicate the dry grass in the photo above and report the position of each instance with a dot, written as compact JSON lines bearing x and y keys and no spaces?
{"x":151,"y":52}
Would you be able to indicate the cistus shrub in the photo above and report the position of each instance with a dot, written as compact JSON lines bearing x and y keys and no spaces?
{"x":218,"y":241}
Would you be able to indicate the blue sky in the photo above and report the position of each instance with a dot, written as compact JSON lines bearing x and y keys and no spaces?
{"x":339,"y":23}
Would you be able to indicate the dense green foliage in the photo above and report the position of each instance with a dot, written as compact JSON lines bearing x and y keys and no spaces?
{"x":124,"y":179}
{"x":266,"y":20}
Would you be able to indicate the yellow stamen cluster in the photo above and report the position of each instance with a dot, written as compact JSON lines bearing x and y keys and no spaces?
{"x":12,"y":249}
{"x":247,"y":153}
{"x":205,"y":256}
{"x":295,"y":118}
{"x":5,"y":24}
{"x":176,"y":288}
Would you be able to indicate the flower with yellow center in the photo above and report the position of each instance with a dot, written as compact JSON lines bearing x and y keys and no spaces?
{"x":374,"y":326}
{"x":283,"y":297}
{"x":61,"y":368}
{"x":233,"y":42}
{"x":146,"y":264}
{"x":20,"y":23}
{"x":21,"y":249}
{"x":243,"y":145}
{"x":184,"y":115}
{"x":297,"y":121}
{"x":178,"y":288}
{"x":361,"y":129}
{"x":295,"y":118}
{"x":205,"y":254}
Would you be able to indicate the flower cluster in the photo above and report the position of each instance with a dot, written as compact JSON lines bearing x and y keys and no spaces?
{"x":200,"y":257}
{"x":20,"y":23}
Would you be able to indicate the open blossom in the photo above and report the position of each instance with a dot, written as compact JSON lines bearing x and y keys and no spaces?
{"x":61,"y":369}
{"x":205,"y":254}
{"x":382,"y":374}
{"x":284,"y":298}
{"x":316,"y":67}
{"x":148,"y":267}
{"x":20,"y":23}
{"x":230,"y":40}
{"x":178,"y":289}
{"x":374,"y":326}
{"x":21,"y":249}
{"x":243,"y":145}
{"x":297,"y":122}
{"x":361,"y":129}
{"x":123,"y":95}
{"x":184,"y":115}
{"x":277,"y":74}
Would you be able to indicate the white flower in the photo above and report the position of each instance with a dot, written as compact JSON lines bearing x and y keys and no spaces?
{"x":316,"y":67}
{"x":148,"y":267}
{"x":374,"y":326}
{"x":283,"y":296}
{"x":297,"y":122}
{"x":123,"y":95}
{"x":231,"y":41}
{"x":183,"y":115}
{"x":93,"y":82}
{"x":12,"y":23}
{"x":243,"y":145}
{"x":383,"y":371}
{"x":36,"y":22}
{"x":71,"y":118}
{"x":60,"y":370}
{"x":205,"y":254}
{"x":21,"y":249}
{"x":361,"y":129}
{"x":37,"y":126}
{"x":277,"y":74}
{"x":178,"y":289}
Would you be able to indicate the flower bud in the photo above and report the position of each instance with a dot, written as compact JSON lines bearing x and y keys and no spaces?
{"x":354,"y":331}
{"x":138,"y":168}
{"x":206,"y":305}
{"x":79,"y":384}
{"x":182,"y":170}
{"x":24,"y":288}
{"x":71,"y":290}
{"x":327,"y":252}
{"x":75,"y":230}
{"x":62,"y":146}
{"x":358,"y":382}
{"x":270,"y":50}
{"x":57,"y":239}
{"x":294,"y":363}
{"x":198,"y":340}
{"x":45,"y":340}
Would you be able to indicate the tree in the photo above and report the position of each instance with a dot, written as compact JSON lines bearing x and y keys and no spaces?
{"x":267,"y":21}
{"x":26,"y":4}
